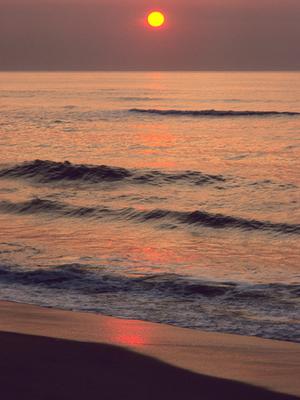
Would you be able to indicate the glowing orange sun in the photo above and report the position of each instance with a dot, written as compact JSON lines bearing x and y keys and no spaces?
{"x":156,"y":19}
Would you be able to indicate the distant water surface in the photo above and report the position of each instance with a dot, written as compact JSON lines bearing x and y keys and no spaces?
{"x":169,"y":197}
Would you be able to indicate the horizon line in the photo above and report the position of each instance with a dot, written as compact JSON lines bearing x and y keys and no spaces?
{"x":150,"y":70}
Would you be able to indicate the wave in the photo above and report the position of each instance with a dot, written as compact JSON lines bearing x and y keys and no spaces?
{"x":88,"y":280}
{"x":170,"y":219}
{"x":80,"y":277}
{"x":47,"y":171}
{"x":214,"y":113}
{"x":44,"y":171}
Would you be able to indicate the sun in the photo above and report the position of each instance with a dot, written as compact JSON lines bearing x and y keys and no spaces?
{"x":156,"y":19}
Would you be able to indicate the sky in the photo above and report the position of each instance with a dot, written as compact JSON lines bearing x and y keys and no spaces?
{"x":112,"y":35}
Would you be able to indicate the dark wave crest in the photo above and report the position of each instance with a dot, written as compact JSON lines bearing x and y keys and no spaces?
{"x":170,"y":219}
{"x":49,"y":171}
{"x":78,"y":277}
{"x":214,"y":113}
{"x":81,"y":278}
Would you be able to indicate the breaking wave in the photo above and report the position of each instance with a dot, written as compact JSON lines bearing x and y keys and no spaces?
{"x":50,"y":171}
{"x":80,"y":277}
{"x":170,"y":219}
{"x":214,"y":113}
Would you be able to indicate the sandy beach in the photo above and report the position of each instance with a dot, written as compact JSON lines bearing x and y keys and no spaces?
{"x":54,"y":354}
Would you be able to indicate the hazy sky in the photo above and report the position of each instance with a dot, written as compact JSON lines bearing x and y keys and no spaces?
{"x":102,"y":34}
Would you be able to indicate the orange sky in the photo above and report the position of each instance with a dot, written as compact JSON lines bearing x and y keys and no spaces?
{"x":200,"y":34}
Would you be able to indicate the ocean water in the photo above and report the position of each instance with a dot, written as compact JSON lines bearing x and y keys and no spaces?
{"x":167,"y":197}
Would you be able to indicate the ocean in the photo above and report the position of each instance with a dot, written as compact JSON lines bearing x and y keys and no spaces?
{"x":170,"y":197}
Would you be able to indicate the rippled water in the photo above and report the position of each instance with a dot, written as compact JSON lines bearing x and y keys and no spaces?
{"x":171,"y":197}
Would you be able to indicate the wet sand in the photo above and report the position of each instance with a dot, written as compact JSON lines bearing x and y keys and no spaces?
{"x":53,"y":354}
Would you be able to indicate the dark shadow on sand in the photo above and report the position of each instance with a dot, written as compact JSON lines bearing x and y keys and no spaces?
{"x":38,"y":368}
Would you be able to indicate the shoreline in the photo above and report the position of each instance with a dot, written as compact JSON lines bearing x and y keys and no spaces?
{"x":220,"y":363}
{"x":171,"y":325}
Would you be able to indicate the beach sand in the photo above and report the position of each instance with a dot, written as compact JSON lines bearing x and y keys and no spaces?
{"x":54,"y":354}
